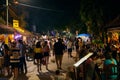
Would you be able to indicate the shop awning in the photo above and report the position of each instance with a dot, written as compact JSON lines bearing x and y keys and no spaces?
{"x":114,"y":29}
{"x":23,"y":32}
{"x":6,"y":29}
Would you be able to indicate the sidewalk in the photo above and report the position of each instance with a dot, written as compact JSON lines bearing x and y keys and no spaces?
{"x":32,"y":73}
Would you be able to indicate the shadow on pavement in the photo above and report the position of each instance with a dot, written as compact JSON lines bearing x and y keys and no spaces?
{"x":22,"y":77}
{"x":46,"y":75}
{"x":10,"y":77}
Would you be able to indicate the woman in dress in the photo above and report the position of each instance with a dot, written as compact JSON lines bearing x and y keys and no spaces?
{"x":38,"y":52}
{"x":46,"y":53}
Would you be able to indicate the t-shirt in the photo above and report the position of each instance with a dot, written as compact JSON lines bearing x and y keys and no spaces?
{"x":111,"y":61}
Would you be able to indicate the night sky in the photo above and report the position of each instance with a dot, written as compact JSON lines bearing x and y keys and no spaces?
{"x":46,"y":14}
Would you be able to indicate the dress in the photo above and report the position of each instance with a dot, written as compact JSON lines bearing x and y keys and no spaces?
{"x":38,"y":53}
{"x":46,"y":51}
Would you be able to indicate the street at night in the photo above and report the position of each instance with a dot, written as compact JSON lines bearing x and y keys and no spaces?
{"x":32,"y":73}
{"x":59,"y":40}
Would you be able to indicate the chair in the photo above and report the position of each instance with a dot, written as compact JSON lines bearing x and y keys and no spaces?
{"x":112,"y":72}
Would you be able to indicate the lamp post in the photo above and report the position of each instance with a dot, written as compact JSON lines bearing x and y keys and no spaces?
{"x":7,"y":12}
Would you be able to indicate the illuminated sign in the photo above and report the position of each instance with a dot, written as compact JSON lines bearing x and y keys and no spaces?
{"x":15,"y":23}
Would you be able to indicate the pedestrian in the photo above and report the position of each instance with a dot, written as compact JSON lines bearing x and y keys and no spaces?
{"x":83,"y":51}
{"x":15,"y":59}
{"x":89,"y":68}
{"x":58,"y":52}
{"x":69,"y":48}
{"x":46,"y":50}
{"x":109,"y":60}
{"x":38,"y":52}
{"x":23,"y":65}
{"x":6,"y":51}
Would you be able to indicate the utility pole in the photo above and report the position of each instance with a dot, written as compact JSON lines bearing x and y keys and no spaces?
{"x":7,"y":11}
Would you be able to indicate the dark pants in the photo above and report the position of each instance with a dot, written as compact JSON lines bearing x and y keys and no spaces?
{"x":23,"y":66}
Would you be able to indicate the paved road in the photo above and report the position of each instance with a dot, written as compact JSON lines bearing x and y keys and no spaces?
{"x":32,"y":73}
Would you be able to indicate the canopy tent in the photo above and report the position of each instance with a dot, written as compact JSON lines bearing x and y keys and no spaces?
{"x":83,"y":35}
{"x":6,"y":29}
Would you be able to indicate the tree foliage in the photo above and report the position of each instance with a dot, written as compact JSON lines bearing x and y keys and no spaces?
{"x":22,"y":21}
{"x":91,"y":14}
{"x":2,"y":21}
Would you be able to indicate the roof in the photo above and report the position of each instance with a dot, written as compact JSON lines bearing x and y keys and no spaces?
{"x":114,"y":23}
{"x":6,"y":29}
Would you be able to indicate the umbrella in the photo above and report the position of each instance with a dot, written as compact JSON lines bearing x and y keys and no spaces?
{"x":83,"y":35}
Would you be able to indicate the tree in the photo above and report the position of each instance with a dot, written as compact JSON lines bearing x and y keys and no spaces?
{"x":22,"y":21}
{"x":91,"y":14}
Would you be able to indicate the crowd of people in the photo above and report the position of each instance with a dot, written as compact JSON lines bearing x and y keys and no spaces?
{"x":104,"y":55}
{"x":14,"y":56}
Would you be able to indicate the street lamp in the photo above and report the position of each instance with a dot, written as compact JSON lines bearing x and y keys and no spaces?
{"x":7,"y":12}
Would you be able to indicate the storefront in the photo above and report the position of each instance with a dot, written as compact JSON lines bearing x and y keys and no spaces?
{"x":22,"y":34}
{"x":114,"y":34}
{"x":113,"y":30}
{"x":6,"y":33}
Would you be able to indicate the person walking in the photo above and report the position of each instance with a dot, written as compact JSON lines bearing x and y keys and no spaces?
{"x":23,"y":65}
{"x":46,"y":50}
{"x":109,"y":60}
{"x":69,"y":48}
{"x":38,"y":54}
{"x":15,"y":59}
{"x":58,"y":52}
{"x":6,"y":59}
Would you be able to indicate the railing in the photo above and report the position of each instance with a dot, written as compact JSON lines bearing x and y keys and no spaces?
{"x":78,"y":63}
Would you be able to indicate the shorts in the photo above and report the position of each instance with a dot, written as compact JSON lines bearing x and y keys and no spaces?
{"x":70,"y":50}
{"x":58,"y":57}
{"x":46,"y":54}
